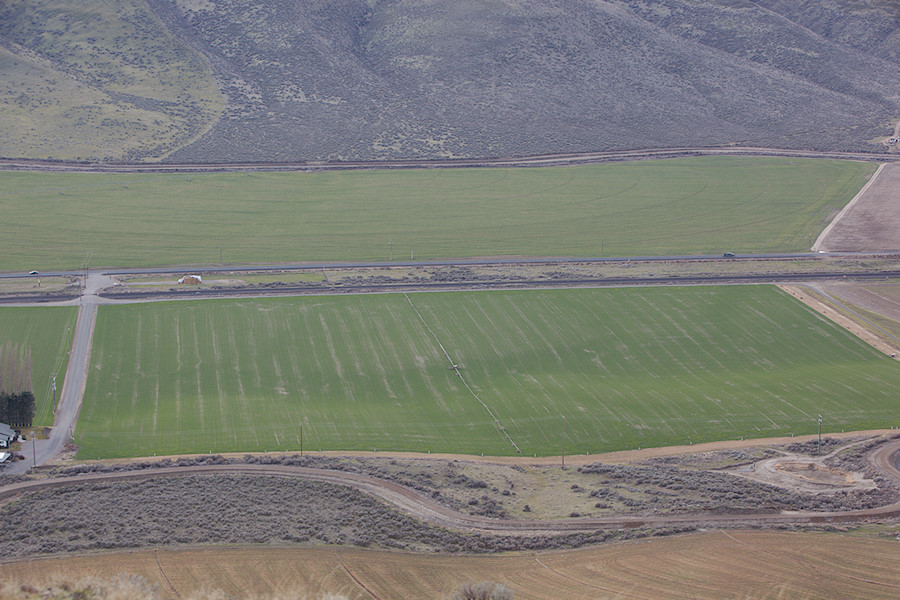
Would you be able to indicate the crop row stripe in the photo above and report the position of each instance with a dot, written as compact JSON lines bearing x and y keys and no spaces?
{"x":500,"y":428}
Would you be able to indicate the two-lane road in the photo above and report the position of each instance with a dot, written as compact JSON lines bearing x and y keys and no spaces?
{"x":38,"y":452}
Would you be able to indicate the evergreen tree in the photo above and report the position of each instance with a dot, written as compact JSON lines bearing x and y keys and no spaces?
{"x":16,"y":397}
{"x":17,"y":410}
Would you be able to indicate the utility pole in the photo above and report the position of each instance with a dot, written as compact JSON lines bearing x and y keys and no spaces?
{"x":301,"y":440}
{"x":819,"y":450}
{"x":391,"y":250}
{"x":85,"y":267}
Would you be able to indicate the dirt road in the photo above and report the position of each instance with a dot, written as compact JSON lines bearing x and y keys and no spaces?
{"x":886,"y":458}
{"x":871,"y":221}
{"x":42,"y":451}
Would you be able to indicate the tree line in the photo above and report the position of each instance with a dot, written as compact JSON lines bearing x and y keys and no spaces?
{"x":16,"y":397}
{"x":17,"y":410}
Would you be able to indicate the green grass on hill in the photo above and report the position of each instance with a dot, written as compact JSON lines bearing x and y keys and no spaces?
{"x":98,"y":81}
{"x":685,"y":206}
{"x":625,"y":367}
{"x":47,"y":332}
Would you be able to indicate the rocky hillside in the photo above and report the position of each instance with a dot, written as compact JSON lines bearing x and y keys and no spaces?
{"x":380,"y":79}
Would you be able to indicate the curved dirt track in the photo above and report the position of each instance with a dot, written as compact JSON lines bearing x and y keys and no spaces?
{"x":886,"y":458}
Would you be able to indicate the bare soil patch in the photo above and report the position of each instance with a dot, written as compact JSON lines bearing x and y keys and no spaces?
{"x":34,"y":285}
{"x":871,"y":222}
{"x":817,"y":474}
{"x":881,"y":298}
{"x":806,"y":467}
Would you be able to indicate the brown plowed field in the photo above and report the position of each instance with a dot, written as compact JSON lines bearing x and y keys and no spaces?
{"x":872,"y":221}
{"x":881,"y":298}
{"x":853,"y":293}
{"x":713,"y":564}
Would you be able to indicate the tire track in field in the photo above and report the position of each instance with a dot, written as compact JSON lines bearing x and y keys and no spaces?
{"x":163,"y":573}
{"x":198,"y":375}
{"x":353,"y":576}
{"x":241,"y":409}
{"x":617,"y":593}
{"x":220,"y":395}
{"x":453,"y":365}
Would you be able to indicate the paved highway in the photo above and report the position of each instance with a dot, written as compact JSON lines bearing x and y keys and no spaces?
{"x":316,"y":266}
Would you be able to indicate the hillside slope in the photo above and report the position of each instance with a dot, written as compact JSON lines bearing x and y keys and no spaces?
{"x":98,"y":80}
{"x":380,"y":79}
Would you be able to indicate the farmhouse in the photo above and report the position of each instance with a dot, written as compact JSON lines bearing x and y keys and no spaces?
{"x":7,"y":435}
{"x":191,"y":280}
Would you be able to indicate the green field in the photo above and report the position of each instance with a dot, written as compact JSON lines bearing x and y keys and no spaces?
{"x":47,"y":333}
{"x":680,"y":206}
{"x":625,"y":367}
